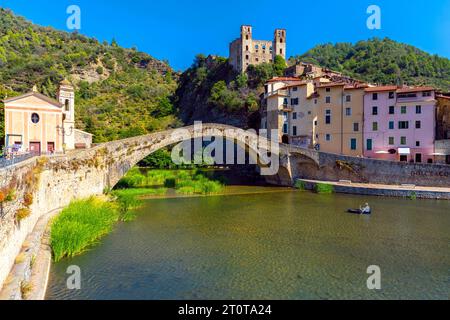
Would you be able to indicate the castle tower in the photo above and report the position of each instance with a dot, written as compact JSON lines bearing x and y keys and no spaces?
{"x":246,"y":41}
{"x":66,"y":96}
{"x":279,"y":43}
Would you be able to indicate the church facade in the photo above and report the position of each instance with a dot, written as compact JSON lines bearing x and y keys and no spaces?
{"x":35,"y":123}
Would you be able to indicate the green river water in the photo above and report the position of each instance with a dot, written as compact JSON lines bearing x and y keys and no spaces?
{"x":270,"y":244}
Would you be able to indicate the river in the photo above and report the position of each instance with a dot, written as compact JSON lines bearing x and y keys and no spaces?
{"x":268,"y":243}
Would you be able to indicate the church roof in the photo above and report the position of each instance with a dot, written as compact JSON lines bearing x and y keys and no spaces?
{"x":37,"y":95}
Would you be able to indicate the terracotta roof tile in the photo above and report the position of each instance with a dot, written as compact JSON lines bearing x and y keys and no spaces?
{"x":414,"y":89}
{"x":281,"y":79}
{"x":381,"y":88}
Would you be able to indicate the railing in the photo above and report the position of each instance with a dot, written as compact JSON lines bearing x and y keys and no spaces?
{"x":13,"y":159}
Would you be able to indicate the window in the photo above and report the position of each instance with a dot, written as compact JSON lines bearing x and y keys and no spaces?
{"x":426,"y":94}
{"x":328,"y":116}
{"x":294,"y":101}
{"x":281,"y":51}
{"x":328,"y":89}
{"x":403,"y":158}
{"x":256,"y":47}
{"x":417,"y":143}
{"x":315,"y":123}
{"x":369,"y":145}
{"x":294,"y":130}
{"x":328,"y":137}
{"x":285,"y":101}
{"x":418,"y":124}
{"x":353,"y":144}
{"x":403,"y":124}
{"x":67,"y":104}
{"x":374,"y":126}
{"x":348,"y":98}
{"x":327,"y":99}
{"x":35,"y":118}
{"x":285,"y":128}
{"x":391,"y":95}
{"x":403,"y":110}
{"x":374,"y":96}
{"x":315,"y":101}
{"x":294,"y":89}
{"x":391,"y":125}
{"x":418,"y":157}
{"x":402,"y":140}
{"x":391,"y":141}
{"x":246,"y":57}
{"x":418,"y":109}
{"x":294,"y":115}
{"x":348,"y":111}
{"x":246,"y":48}
{"x":374,"y":111}
{"x":356,"y":127}
{"x":430,"y":161}
{"x":391,"y":110}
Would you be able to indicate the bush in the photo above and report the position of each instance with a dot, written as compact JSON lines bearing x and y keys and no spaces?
{"x":22,"y":214}
{"x":323,"y":188}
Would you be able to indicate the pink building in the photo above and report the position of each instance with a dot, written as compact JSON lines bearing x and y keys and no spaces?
{"x":399,"y":123}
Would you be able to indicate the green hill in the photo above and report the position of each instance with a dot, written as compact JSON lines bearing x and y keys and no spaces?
{"x":119,"y":92}
{"x":382,"y":61}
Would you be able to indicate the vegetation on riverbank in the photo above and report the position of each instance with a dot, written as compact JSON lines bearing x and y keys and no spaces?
{"x":143,"y":182}
{"x":323,"y":188}
{"x":81,"y":225}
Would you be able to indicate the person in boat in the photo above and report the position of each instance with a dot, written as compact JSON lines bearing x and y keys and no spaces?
{"x":365,"y":209}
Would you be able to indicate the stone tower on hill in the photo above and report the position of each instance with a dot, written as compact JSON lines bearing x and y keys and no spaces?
{"x":245,"y":51}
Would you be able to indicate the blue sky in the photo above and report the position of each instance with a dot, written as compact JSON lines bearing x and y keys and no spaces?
{"x":177,"y":30}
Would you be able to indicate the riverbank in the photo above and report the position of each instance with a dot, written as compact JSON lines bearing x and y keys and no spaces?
{"x":370,"y":189}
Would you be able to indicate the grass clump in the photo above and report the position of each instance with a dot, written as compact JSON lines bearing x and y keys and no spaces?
{"x":183,"y":181}
{"x":22,"y":214}
{"x":81,"y":225}
{"x":301,"y":185}
{"x":323,"y":188}
{"x":25,"y":289}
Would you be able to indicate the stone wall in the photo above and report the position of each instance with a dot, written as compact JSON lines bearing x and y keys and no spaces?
{"x":334,"y":167}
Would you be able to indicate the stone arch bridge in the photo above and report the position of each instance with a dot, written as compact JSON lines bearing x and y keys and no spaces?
{"x":46,"y":184}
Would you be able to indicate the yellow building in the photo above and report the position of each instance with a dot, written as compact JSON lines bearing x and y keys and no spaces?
{"x":36,"y":123}
{"x":340,"y":118}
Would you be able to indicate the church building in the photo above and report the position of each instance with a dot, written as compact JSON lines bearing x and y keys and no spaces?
{"x":35,"y":123}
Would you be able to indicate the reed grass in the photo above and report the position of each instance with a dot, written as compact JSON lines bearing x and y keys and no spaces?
{"x":183,"y":181}
{"x":81,"y":225}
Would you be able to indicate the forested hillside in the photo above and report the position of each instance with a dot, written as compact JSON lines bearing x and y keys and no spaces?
{"x":382,"y":61}
{"x":119,"y":92}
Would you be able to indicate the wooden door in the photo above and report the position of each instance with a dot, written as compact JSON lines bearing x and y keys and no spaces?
{"x":35,"y":147}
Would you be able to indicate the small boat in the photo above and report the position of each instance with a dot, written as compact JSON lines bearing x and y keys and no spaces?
{"x":357,"y":211}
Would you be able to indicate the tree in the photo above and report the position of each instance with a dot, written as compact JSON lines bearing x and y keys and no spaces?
{"x":279,"y":65}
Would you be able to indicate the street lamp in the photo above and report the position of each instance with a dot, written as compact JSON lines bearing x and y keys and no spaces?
{"x":64,"y":133}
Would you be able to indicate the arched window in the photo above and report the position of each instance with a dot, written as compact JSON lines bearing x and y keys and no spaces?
{"x":35,"y":118}
{"x":67,"y":105}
